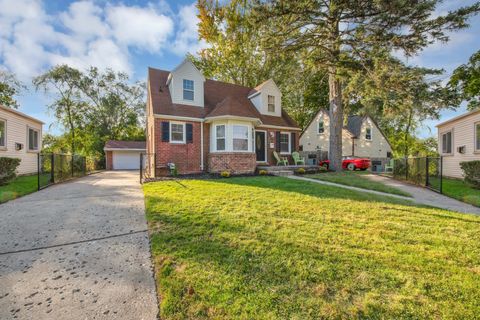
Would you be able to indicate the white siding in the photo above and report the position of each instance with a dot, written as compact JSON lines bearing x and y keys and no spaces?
{"x":17,"y":132}
{"x":260,"y":101}
{"x":463,"y":134}
{"x":187,"y":71}
{"x":311,"y":140}
{"x":377,"y":147}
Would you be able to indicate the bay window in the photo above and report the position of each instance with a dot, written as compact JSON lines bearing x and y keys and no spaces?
{"x":284,"y":142}
{"x":220,"y":137}
{"x":240,"y":138}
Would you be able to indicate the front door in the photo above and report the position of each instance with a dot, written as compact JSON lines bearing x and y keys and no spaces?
{"x":260,"y":144}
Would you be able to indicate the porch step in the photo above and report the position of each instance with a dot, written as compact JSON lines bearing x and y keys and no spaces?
{"x":282,"y":173}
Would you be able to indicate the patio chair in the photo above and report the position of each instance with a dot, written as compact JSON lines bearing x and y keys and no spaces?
{"x":297,"y":159}
{"x":389,"y":166}
{"x":280,"y":160}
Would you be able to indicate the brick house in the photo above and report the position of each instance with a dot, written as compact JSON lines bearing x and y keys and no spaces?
{"x":203,"y":125}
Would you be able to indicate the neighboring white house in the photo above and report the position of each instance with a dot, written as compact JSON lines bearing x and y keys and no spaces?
{"x":458,"y":141}
{"x":360,"y":137}
{"x":20,"y":137}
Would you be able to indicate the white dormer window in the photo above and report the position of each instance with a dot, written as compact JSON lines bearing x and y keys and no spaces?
{"x":271,"y":103}
{"x":187,"y":89}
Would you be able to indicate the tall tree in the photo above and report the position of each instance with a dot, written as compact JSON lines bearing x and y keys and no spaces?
{"x":339,"y":34}
{"x":235,"y":55}
{"x":10,"y":87}
{"x":398,"y":96}
{"x":465,"y":82}
{"x":67,"y":106}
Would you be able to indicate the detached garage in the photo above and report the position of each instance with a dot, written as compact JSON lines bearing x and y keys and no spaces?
{"x":123,"y":155}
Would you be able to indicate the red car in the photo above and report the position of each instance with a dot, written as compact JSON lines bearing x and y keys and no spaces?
{"x":350,"y":163}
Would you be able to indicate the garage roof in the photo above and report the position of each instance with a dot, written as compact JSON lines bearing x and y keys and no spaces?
{"x":124,"y":145}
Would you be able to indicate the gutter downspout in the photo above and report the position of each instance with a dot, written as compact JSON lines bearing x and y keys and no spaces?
{"x":353,"y":147}
{"x":201,"y":146}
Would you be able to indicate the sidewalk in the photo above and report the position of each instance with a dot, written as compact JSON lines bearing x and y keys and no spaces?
{"x":419,"y":195}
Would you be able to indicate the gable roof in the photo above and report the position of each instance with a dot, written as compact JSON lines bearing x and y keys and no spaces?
{"x":220,"y":99}
{"x":21,"y":114}
{"x":464,"y":115}
{"x":354,"y":124}
{"x":126,"y":145}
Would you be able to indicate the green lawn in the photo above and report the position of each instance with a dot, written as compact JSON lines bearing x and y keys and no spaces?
{"x":461,"y":191}
{"x":278,"y":248}
{"x":21,"y":186}
{"x":356,"y":179}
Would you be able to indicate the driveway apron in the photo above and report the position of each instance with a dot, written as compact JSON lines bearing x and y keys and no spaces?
{"x":77,"y":250}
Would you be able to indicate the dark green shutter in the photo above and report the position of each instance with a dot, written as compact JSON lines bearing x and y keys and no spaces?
{"x":277,"y":141}
{"x":189,"y":129}
{"x":165,"y":131}
{"x":293,"y":142}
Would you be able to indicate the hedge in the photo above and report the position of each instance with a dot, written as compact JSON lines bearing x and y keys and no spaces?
{"x":8,"y":169}
{"x":471,"y":171}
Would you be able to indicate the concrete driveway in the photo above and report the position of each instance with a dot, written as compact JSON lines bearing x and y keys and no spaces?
{"x":77,"y":250}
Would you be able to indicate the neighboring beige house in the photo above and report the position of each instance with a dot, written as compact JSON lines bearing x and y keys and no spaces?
{"x":458,"y":141}
{"x":20,"y":137}
{"x":361,"y":137}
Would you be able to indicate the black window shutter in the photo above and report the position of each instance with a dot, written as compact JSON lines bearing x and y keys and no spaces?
{"x":277,"y":140}
{"x":293,"y":142}
{"x":189,"y":129}
{"x":165,"y":131}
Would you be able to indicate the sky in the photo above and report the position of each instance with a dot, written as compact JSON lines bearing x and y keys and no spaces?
{"x":132,"y":35}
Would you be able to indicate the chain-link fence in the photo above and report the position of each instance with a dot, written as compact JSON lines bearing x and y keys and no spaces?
{"x":56,"y":167}
{"x":425,"y":171}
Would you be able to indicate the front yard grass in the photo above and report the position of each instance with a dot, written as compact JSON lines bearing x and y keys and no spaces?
{"x":459,"y":190}
{"x":278,"y":248}
{"x":21,"y":186}
{"x":356,"y":179}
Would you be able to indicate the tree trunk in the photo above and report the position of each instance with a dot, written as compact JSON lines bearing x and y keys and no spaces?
{"x":72,"y":129}
{"x":336,"y":121}
{"x":406,"y":149}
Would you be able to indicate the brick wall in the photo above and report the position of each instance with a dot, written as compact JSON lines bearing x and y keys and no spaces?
{"x":233,"y":162}
{"x":185,"y":156}
{"x":109,"y":160}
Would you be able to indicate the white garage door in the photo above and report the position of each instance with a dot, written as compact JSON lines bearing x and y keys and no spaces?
{"x":126,"y":160}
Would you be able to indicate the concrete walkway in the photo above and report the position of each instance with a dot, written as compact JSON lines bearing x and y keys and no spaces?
{"x":419,"y":195}
{"x":77,"y":250}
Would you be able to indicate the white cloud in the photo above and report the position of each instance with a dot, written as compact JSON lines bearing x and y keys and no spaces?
{"x":187,"y":35}
{"x":84,"y":34}
{"x":140,"y":27}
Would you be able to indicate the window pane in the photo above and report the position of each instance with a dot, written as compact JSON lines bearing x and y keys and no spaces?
{"x":368,"y":135}
{"x":187,"y":95}
{"x":220,"y":144}
{"x":30,"y":139}
{"x":240,"y":138}
{"x":321,"y":129}
{"x":2,"y":133}
{"x":478,"y":136}
{"x":177,"y":132}
{"x":271,"y":103}
{"x":220,"y":131}
{"x":188,"y":84}
{"x":447,"y":142}
{"x":284,"y":142}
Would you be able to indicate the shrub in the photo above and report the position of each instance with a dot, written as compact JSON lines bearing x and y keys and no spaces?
{"x":225,"y":174}
{"x":322,"y":169}
{"x":300,"y":171}
{"x":471,"y":171}
{"x":262,"y":172}
{"x":8,"y":167}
